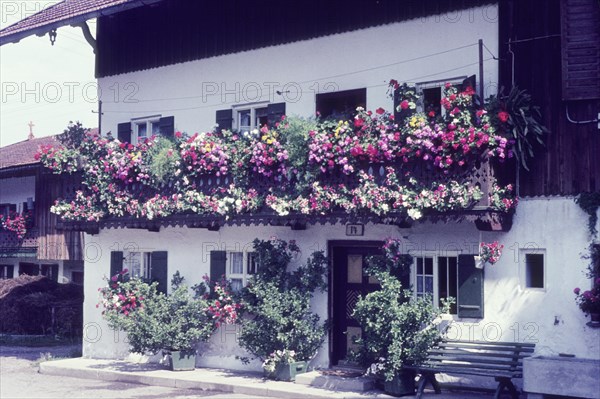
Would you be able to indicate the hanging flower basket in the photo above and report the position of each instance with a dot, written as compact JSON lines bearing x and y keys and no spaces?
{"x":480,"y":262}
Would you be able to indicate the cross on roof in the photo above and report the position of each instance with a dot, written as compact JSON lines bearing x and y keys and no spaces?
{"x":31,"y":125}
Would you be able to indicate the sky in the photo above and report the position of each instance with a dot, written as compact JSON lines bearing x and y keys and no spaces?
{"x":44,"y":84}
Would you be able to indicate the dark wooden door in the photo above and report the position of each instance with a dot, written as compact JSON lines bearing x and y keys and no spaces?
{"x":348,"y":283}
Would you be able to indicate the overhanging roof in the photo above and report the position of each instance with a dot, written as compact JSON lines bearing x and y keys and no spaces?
{"x":66,"y":12}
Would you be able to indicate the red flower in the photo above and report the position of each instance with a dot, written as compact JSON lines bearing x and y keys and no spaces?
{"x":380,"y":111}
{"x":178,"y":134}
{"x":469,"y":91}
{"x":503,"y":116}
{"x":404,"y":104}
{"x":431,"y":114}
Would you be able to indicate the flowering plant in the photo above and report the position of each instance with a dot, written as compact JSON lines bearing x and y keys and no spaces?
{"x":589,"y":300}
{"x":268,"y":154}
{"x":222,"y":307}
{"x":121,"y":296}
{"x":278,"y":357}
{"x":16,"y":223}
{"x":490,"y":252}
{"x":205,"y":153}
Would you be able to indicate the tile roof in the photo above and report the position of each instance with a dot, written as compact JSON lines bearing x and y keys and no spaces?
{"x":23,"y":152}
{"x":66,"y":12}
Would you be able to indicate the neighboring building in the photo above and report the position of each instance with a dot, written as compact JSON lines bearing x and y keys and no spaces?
{"x":27,"y":190}
{"x":200,"y":63}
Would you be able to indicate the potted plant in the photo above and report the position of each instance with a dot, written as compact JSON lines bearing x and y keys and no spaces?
{"x":279,"y":327}
{"x":488,"y":253}
{"x":398,"y":331}
{"x":282,"y":365}
{"x":589,"y":301}
{"x":156,"y":322}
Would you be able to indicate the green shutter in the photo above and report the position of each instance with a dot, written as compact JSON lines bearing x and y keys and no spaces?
{"x":401,"y":114}
{"x":10,"y":271}
{"x":217,"y":265}
{"x":470,"y":288}
{"x":116,"y":262}
{"x":224,"y":119}
{"x":159,"y":270}
{"x":124,"y":132}
{"x":167,"y":126}
{"x":274,"y":113}
{"x":54,"y":271}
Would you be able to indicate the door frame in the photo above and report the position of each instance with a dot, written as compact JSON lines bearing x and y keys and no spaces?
{"x":332,"y":245}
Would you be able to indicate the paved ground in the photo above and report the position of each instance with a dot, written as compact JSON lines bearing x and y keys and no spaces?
{"x":19,"y":378}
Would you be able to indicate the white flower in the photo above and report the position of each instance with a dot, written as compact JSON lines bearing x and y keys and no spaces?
{"x":414,"y":214}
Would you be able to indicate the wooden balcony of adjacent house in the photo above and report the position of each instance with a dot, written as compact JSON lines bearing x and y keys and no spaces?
{"x":482,"y":213}
{"x":11,"y":246}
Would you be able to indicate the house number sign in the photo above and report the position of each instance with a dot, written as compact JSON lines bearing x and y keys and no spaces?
{"x":354,"y":230}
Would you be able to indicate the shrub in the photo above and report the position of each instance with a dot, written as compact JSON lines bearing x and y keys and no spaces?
{"x":398,"y":330}
{"x":278,"y":303}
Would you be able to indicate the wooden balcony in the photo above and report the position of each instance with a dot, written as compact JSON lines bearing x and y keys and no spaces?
{"x":12,"y":246}
{"x":481,"y":213}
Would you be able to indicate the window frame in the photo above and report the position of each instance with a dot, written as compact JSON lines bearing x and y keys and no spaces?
{"x":523,"y":252}
{"x":245,"y":276}
{"x":440,"y":84}
{"x":325,"y":99}
{"x":150,"y":122}
{"x":145,"y":263}
{"x":436,"y":263}
{"x":252,"y":107}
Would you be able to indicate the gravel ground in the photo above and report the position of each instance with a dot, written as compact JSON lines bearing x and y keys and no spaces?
{"x":19,"y":378}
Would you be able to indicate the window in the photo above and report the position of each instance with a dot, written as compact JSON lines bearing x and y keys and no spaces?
{"x":7,"y":209}
{"x":145,"y":128}
{"x":240,"y":267}
{"x":50,"y":271}
{"x":341,"y":104}
{"x":431,"y":95}
{"x":77,"y":277}
{"x":251,"y":117}
{"x":29,"y":269}
{"x":6,"y":272}
{"x":436,"y":276}
{"x":534,"y":270}
{"x":139,"y":264}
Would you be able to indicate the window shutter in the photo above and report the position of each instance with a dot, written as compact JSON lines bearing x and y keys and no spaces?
{"x":159,"y":271}
{"x":217,"y":265}
{"x":116,"y":262}
{"x":124,"y":132}
{"x":402,"y":114}
{"x":54,"y":271}
{"x":402,"y":273}
{"x":274,"y":113}
{"x":225,"y":119}
{"x":580,"y":45}
{"x":471,"y":81}
{"x":470,"y":288}
{"x":167,"y":126}
{"x":10,"y":271}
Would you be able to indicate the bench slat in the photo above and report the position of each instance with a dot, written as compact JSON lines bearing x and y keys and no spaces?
{"x":474,"y":371}
{"x":453,"y":352}
{"x":473,"y":360}
{"x":490,"y":343}
{"x":499,"y":348}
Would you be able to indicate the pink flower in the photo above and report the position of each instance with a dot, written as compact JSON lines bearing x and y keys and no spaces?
{"x":404,"y":104}
{"x":503,"y":116}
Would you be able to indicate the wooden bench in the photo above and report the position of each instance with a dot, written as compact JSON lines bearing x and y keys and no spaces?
{"x":501,"y":360}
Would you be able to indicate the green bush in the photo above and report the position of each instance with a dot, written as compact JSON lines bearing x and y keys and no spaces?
{"x":398,"y":330}
{"x":278,"y":303}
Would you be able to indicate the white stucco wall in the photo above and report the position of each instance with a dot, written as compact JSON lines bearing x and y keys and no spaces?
{"x":16,"y":190}
{"x":548,"y":317}
{"x":194,"y":90}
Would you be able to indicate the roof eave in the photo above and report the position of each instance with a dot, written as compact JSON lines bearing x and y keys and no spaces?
{"x":73,"y":21}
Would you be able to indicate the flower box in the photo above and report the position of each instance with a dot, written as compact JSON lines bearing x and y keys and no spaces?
{"x":402,"y":384}
{"x":183,"y":361}
{"x":287,"y":371}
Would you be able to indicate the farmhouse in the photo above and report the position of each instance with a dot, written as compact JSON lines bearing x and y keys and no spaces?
{"x":171,"y":67}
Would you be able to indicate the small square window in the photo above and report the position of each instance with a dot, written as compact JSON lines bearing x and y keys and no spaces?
{"x":145,"y":128}
{"x":341,"y":104}
{"x":251,"y":117}
{"x":534,"y":270}
{"x":241,"y":266}
{"x":138,"y":264}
